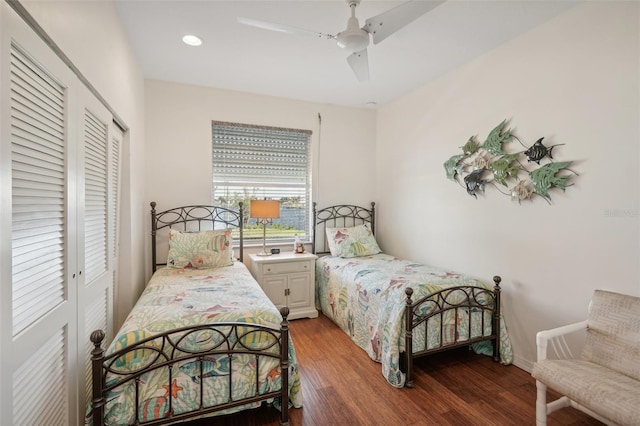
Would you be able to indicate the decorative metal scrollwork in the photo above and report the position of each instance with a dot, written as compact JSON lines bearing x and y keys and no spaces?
{"x":212,"y":214}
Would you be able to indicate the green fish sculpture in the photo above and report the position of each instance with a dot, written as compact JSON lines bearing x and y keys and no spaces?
{"x":496,"y":138}
{"x":545,"y":178}
{"x":503,"y":168}
{"x":471,"y":147}
{"x":452,"y":167}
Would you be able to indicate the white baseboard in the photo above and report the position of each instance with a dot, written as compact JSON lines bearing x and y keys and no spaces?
{"x":523,"y":363}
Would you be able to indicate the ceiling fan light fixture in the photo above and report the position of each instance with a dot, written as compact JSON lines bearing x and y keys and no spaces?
{"x":192,"y":40}
{"x":353,"y":40}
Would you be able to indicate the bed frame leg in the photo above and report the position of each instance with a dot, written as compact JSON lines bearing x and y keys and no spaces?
{"x":97,"y":357}
{"x":496,"y":318}
{"x":284,"y":367}
{"x":408,"y":343}
{"x":154,"y":230}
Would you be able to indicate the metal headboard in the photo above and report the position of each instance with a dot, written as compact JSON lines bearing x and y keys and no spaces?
{"x":192,"y":219}
{"x":338,"y":216}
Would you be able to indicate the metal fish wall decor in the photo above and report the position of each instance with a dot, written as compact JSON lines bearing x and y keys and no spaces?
{"x":489,"y":163}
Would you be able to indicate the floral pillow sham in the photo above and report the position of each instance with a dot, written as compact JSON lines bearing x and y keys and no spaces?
{"x":200,"y":250}
{"x":352,"y":242}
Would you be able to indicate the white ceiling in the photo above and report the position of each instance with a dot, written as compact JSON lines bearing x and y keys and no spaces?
{"x":239,"y":57}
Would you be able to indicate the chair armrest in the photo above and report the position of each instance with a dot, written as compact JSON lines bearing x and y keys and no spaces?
{"x":545,"y":336}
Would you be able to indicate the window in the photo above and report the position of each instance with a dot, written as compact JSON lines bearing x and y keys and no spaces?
{"x":258,"y":162}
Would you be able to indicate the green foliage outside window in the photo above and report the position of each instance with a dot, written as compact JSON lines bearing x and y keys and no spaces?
{"x":252,"y":231}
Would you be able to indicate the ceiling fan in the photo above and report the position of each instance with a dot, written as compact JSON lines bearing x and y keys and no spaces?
{"x":355,"y":39}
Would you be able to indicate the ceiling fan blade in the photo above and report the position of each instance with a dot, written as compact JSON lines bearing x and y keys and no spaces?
{"x":282,"y":28}
{"x":383,"y":25}
{"x":359,"y":62}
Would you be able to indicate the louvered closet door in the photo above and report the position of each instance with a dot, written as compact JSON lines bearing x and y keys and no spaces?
{"x":38,"y":347}
{"x":59,"y":185}
{"x":99,"y":162}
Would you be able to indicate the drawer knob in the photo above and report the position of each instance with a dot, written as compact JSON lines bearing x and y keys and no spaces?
{"x":269,"y":269}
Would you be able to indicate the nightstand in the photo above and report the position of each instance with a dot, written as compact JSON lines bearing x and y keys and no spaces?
{"x":288,"y":279}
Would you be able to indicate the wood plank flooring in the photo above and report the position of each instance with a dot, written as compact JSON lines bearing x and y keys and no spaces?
{"x":343,"y":386}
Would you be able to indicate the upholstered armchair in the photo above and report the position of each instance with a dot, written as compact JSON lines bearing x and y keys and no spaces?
{"x":604,"y":381}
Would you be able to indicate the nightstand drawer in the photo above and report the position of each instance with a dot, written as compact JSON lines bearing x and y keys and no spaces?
{"x":286,"y":267}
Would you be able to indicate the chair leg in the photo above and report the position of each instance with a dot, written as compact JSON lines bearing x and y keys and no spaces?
{"x":541,"y":404}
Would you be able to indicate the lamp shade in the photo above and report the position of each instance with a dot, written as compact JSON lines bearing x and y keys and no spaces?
{"x":264,"y":209}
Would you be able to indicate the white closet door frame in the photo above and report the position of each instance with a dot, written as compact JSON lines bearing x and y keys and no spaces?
{"x":115,"y":203}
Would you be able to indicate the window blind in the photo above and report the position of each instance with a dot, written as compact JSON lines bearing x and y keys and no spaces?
{"x":260,"y":162}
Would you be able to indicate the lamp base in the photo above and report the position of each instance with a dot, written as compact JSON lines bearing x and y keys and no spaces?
{"x":264,"y":251}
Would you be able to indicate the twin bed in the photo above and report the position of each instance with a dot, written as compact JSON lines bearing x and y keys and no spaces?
{"x":394,"y":309}
{"x":203,"y":339}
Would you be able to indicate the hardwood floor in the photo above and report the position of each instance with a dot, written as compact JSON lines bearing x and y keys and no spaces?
{"x":343,"y":386}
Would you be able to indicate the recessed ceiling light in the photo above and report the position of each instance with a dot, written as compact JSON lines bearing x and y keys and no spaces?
{"x":371,"y":103}
{"x":192,"y":40}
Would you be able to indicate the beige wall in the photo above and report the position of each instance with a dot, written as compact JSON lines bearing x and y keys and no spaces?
{"x":564,"y":80}
{"x":90,"y":34}
{"x":573,"y":80}
{"x":178,"y":151}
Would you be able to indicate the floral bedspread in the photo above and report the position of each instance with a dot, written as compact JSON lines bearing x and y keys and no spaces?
{"x":183,"y":297}
{"x":365,"y":296}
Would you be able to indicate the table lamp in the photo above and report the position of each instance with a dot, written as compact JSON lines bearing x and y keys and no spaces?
{"x":264,"y":211}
